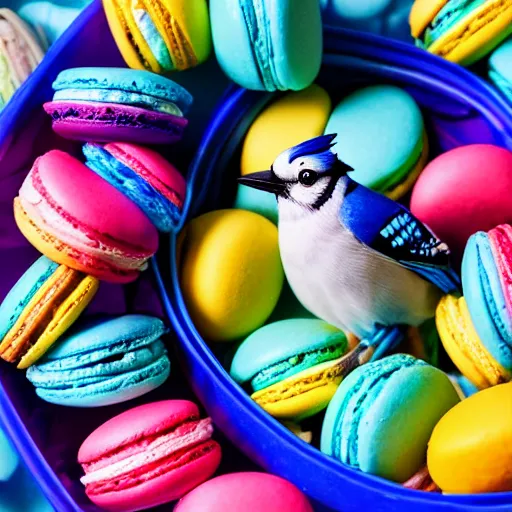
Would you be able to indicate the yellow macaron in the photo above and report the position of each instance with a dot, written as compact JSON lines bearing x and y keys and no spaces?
{"x":294,"y":118}
{"x":471,"y":447}
{"x":160,"y":35}
{"x":464,"y":346}
{"x":461,"y":32}
{"x":230,"y":272}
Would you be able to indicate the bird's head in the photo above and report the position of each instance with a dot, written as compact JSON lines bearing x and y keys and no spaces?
{"x":305,"y":174}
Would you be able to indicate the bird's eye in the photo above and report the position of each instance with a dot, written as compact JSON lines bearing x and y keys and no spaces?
{"x":307,"y":177}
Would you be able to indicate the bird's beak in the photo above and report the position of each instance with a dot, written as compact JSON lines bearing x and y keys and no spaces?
{"x":264,"y":180}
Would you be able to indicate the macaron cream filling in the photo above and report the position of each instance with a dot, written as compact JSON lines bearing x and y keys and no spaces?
{"x":39,"y":205}
{"x":152,"y":36}
{"x":295,"y":364}
{"x":452,"y":12}
{"x":120,"y":97}
{"x":164,"y":35}
{"x":148,"y":456}
{"x":256,"y":22}
{"x":162,"y":212}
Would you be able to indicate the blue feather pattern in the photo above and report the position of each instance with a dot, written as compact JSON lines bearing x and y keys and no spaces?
{"x":390,"y":229}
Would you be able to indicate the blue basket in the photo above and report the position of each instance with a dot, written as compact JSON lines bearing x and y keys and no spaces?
{"x":459,"y":109}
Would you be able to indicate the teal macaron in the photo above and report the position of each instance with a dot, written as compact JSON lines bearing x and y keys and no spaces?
{"x":381,"y":135}
{"x":122,"y":86}
{"x":486,"y":270}
{"x":291,"y":366}
{"x":104,"y":361}
{"x":268,"y":44}
{"x":381,"y":418}
{"x":500,"y":69}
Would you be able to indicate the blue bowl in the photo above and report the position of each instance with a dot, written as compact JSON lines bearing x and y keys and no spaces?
{"x":459,"y":109}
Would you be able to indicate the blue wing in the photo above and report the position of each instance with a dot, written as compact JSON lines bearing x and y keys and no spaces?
{"x":390,"y":229}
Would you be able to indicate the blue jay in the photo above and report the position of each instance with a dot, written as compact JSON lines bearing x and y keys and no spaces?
{"x":352,"y":256}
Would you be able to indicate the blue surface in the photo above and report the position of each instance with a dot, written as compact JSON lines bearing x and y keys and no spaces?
{"x":102,"y":362}
{"x":163,"y":213}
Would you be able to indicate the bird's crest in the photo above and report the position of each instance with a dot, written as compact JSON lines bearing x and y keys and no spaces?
{"x":314,"y":146}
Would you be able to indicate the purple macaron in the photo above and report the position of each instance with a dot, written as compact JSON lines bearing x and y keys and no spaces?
{"x":117,"y":104}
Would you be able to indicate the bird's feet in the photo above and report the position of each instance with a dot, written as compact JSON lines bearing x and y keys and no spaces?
{"x":383,"y":340}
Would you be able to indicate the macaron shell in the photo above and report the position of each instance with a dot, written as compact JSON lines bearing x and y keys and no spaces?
{"x":449,"y":196}
{"x":71,"y":207}
{"x":380,"y":134}
{"x":394,"y":432}
{"x":290,"y":120}
{"x":143,"y":421}
{"x":64,"y":254}
{"x":500,"y":68}
{"x":463,"y":344}
{"x":422,"y":13}
{"x":108,"y":390}
{"x":128,"y":80}
{"x":280,"y":341}
{"x":296,"y":33}
{"x":243,"y":492}
{"x":404,"y":187}
{"x":231,"y":273}
{"x":190,"y":21}
{"x":133,"y":47}
{"x":290,"y":42}
{"x":167,"y":487}
{"x":477,"y":34}
{"x":257,"y":201}
{"x":233,"y":46}
{"x":483,"y":268}
{"x":104,"y":122}
{"x":22,"y":292}
{"x":153,"y":167}
{"x":67,"y":313}
{"x":303,"y":394}
{"x":471,"y":445}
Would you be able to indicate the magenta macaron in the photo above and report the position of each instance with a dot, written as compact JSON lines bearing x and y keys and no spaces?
{"x":76,"y":218}
{"x":245,"y":492}
{"x":148,"y":455}
{"x":117,"y":104}
{"x":463,"y":191}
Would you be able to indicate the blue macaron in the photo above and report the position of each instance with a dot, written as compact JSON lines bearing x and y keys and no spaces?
{"x":381,"y":135}
{"x":382,"y":415}
{"x":104,"y":362}
{"x":135,"y":88}
{"x":23,"y":292}
{"x":500,"y":68}
{"x":483,"y":285}
{"x":268,"y":44}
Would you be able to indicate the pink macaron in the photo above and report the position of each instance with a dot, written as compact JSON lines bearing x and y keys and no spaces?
{"x":244,"y":492}
{"x":463,"y":191}
{"x":148,"y":455}
{"x":76,"y":218}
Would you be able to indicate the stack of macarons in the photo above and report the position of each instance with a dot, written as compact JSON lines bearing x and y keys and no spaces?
{"x":476,"y":329}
